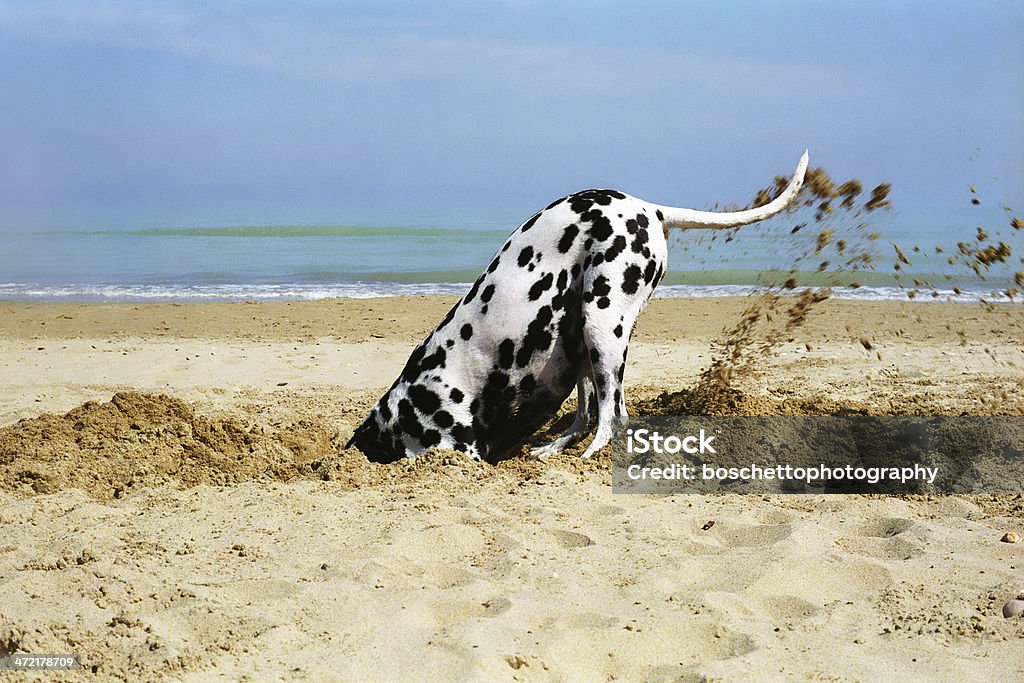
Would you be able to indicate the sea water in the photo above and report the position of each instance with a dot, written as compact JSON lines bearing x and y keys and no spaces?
{"x":410,"y":256}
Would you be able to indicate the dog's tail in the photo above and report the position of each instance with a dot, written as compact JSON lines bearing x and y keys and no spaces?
{"x":687,"y":219}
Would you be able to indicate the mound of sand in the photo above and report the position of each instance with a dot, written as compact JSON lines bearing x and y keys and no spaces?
{"x":146,"y":440}
{"x":143,"y":439}
{"x":710,"y":398}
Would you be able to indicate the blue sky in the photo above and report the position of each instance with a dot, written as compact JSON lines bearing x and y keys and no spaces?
{"x":188,"y":113}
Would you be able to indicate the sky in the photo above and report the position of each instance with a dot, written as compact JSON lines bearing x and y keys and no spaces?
{"x":226,"y":113}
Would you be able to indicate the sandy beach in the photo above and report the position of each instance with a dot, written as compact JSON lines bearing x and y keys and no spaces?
{"x":175,"y":502}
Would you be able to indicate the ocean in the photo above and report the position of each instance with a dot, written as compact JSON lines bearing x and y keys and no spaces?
{"x":233,"y":263}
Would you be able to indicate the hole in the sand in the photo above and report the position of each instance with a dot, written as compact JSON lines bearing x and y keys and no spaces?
{"x":886,"y":527}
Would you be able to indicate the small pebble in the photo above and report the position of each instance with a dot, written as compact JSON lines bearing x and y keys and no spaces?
{"x":1013,"y":608}
{"x":1011,"y":537}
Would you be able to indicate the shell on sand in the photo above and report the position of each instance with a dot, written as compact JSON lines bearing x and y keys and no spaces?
{"x":1013,"y":608}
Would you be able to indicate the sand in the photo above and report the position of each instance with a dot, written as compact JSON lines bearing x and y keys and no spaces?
{"x":175,"y":503}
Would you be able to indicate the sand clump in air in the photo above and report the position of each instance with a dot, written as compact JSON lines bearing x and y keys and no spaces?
{"x":842,"y":246}
{"x":845,"y":244}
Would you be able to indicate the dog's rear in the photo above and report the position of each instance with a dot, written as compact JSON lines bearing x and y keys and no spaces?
{"x":554,"y":310}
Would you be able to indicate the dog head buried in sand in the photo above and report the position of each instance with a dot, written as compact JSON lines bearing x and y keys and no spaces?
{"x":554,"y":310}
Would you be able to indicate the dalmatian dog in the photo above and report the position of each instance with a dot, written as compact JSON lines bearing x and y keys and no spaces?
{"x":553,"y":311}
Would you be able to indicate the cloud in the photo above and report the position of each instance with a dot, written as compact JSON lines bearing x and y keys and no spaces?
{"x":344,"y":50}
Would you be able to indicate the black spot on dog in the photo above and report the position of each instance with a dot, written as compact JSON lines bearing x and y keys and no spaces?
{"x":568,"y":236}
{"x":494,"y":264}
{"x":424,"y":400}
{"x":529,"y":224}
{"x":443,"y":419}
{"x":466,"y":332}
{"x":631,"y":226}
{"x":631,"y":279}
{"x":537,"y":338}
{"x":580,"y":202}
{"x":407,"y":419}
{"x":542,"y":285}
{"x":448,"y":317}
{"x":496,"y":399}
{"x":367,"y":434}
{"x":525,"y":256}
{"x":430,"y":438}
{"x":506,"y":350}
{"x":434,"y":360}
{"x":649,"y":272}
{"x":463,"y":433}
{"x":473,"y":290}
{"x":456,"y":396}
{"x":638,"y":243}
{"x":641,"y":218}
{"x":660,"y":215}
{"x":604,"y":302}
{"x":618,"y":246}
{"x":601,"y":286}
{"x":412,"y":366}
{"x":600,"y":226}
{"x":488,"y":292}
{"x":618,"y":330}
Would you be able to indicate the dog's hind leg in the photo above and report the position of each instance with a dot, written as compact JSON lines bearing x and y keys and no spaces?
{"x":586,"y":412}
{"x":606,"y":335}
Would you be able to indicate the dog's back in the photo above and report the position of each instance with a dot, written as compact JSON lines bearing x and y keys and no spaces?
{"x":510,"y":352}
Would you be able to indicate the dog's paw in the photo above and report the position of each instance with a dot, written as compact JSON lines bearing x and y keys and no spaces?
{"x":542,"y":452}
